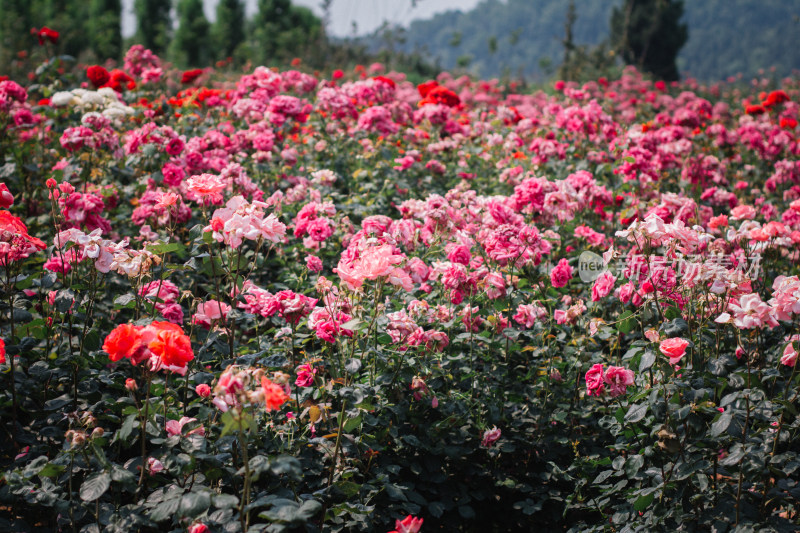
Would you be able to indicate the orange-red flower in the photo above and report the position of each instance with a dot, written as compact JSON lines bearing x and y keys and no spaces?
{"x":274,"y":394}
{"x":171,"y":344}
{"x":124,"y":341}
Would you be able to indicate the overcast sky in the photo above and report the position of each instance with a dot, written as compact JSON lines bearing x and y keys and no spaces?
{"x":368,"y":15}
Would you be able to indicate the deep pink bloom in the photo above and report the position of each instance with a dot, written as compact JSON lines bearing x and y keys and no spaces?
{"x":490,"y":436}
{"x":409,"y":524}
{"x":618,"y":379}
{"x":561,"y":274}
{"x":594,"y":381}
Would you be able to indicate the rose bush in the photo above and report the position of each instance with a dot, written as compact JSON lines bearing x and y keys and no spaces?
{"x":286,"y":302}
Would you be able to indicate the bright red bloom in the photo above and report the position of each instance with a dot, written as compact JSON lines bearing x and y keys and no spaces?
{"x":337,"y":74}
{"x":788,"y":123}
{"x":274,"y":394}
{"x":755,"y":109}
{"x":775,"y":98}
{"x":425,"y":88}
{"x":386,"y":80}
{"x":441,"y":95}
{"x":45,"y":34}
{"x":2,"y":352}
{"x":123,"y":341}
{"x":98,"y":75}
{"x":120,"y":81}
{"x":190,"y":75}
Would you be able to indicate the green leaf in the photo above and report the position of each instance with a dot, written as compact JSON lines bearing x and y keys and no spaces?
{"x":436,"y":509}
{"x":95,"y":486}
{"x":636,"y":412}
{"x":643,"y":502}
{"x":352,"y":423}
{"x":633,"y":464}
{"x":648,"y":358}
{"x":602,"y":476}
{"x":51,"y":470}
{"x":126,"y":430}
{"x":626,"y":322}
{"x":721,"y":424}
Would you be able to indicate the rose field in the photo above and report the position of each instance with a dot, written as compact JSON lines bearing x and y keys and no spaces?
{"x":298,"y":301}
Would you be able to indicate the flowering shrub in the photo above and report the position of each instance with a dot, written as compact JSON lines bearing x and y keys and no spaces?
{"x":290,"y":303}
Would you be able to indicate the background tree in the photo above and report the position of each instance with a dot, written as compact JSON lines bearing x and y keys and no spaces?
{"x":649,"y":34}
{"x":105,"y":28}
{"x":15,"y":24}
{"x":282,"y":31}
{"x":69,"y":19}
{"x":228,"y":30}
{"x":154,"y":24}
{"x":191,"y":45}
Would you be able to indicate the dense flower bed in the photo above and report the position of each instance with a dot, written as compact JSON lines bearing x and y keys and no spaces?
{"x":285,"y":302}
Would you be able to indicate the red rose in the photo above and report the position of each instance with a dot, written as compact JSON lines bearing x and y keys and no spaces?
{"x":98,"y":75}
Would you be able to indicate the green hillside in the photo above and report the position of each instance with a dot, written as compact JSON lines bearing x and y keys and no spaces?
{"x":726,"y":37}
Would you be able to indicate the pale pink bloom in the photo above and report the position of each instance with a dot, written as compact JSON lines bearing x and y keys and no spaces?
{"x":154,"y":466}
{"x":751,"y":312}
{"x":209,"y":312}
{"x":743,"y":212}
{"x":789,"y":357}
{"x":240,"y":220}
{"x":175,"y":427}
{"x":652,"y":335}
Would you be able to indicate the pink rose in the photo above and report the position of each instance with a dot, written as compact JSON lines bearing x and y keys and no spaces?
{"x":618,"y":379}
{"x":561,"y":274}
{"x":313,"y":263}
{"x":210,"y":311}
{"x":789,"y":355}
{"x":490,"y":436}
{"x":674,"y":348}
{"x":203,"y":390}
{"x":594,"y":381}
{"x":495,"y":285}
{"x":305,"y":375}
{"x":602,"y":286}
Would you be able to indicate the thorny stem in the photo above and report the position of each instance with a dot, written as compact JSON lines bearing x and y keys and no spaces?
{"x":143,"y":433}
{"x":244,"y":515}
{"x":338,"y":443}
